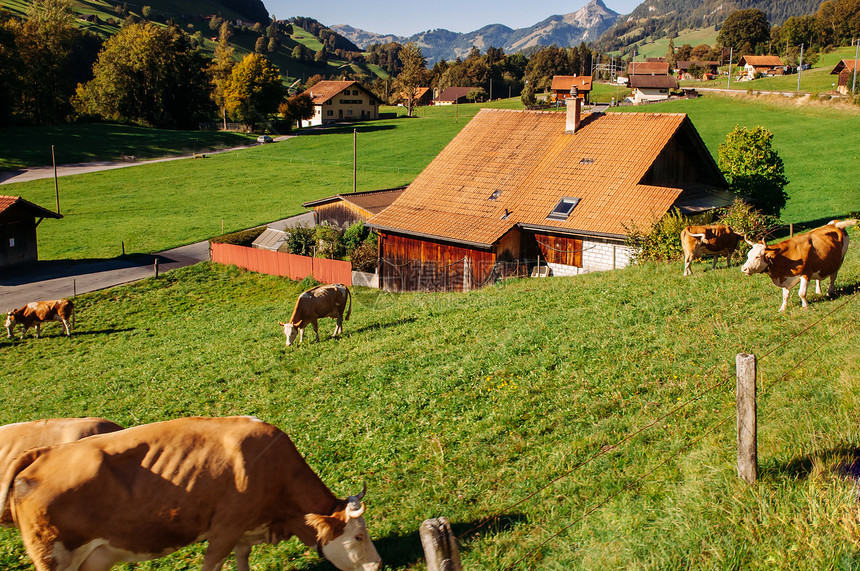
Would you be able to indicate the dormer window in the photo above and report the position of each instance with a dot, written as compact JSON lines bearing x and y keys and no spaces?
{"x":496,"y":194}
{"x":563,"y":209}
{"x":587,"y":161}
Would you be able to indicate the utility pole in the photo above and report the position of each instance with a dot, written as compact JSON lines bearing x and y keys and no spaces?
{"x":799,"y":67}
{"x":729,"y":82}
{"x":856,"y":57}
{"x":354,"y":157}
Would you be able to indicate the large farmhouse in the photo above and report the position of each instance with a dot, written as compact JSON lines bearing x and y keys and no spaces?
{"x":18,"y":221}
{"x":515,"y":189}
{"x":336,"y":101}
{"x":760,"y":65}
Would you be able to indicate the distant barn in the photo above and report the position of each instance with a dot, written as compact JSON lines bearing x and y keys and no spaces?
{"x":346,"y":209}
{"x":18,"y":221}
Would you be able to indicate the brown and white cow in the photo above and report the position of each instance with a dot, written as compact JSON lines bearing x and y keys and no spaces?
{"x":36,"y":313}
{"x":316,"y":303}
{"x":15,"y":439}
{"x":147,"y":491}
{"x":714,"y":239}
{"x":814,"y":255}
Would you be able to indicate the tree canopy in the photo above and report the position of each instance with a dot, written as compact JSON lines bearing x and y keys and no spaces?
{"x":744,"y":30}
{"x":255,"y":89}
{"x":753,"y":168}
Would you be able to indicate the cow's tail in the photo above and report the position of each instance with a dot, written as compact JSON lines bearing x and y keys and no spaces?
{"x":846,"y":223}
{"x":349,"y":297}
{"x":7,"y":514}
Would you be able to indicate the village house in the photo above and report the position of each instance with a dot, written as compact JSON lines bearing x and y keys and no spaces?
{"x":760,"y":65}
{"x":422,"y":96}
{"x":19,"y":219}
{"x":518,"y":192}
{"x":342,"y":101}
{"x":350,"y":208}
{"x":452,"y":95}
{"x":683,"y":67}
{"x":562,"y":85}
{"x":846,"y":72}
{"x":648,"y":68}
{"x":650,"y":88}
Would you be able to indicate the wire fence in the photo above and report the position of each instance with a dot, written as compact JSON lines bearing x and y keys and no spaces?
{"x":816,"y":343}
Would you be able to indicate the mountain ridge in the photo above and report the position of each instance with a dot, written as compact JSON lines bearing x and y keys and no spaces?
{"x":584,"y":25}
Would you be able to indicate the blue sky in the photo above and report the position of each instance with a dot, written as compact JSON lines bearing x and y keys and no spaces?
{"x":408,"y":18}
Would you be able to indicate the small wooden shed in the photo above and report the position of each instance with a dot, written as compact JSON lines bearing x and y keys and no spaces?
{"x":346,"y":209}
{"x":845,"y":69}
{"x":18,"y":221}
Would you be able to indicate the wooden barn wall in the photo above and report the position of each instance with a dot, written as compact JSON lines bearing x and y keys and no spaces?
{"x":678,"y":165}
{"x":18,"y":243}
{"x":340,"y":214}
{"x":560,"y":249}
{"x":411,"y":264}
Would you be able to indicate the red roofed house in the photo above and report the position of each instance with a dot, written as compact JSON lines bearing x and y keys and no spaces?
{"x":517,"y":187}
{"x":562,"y":85}
{"x":342,"y":101}
{"x":845,"y":69}
{"x":648,"y":68}
{"x":18,"y":221}
{"x":649,"y":88}
{"x":452,"y":95}
{"x":763,"y":65}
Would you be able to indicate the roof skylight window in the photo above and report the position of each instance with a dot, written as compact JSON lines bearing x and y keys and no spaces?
{"x":587,"y":161}
{"x":563,"y":209}
{"x":496,"y":194}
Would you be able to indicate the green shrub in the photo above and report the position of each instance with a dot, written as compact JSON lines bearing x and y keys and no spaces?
{"x":241,"y":238}
{"x":746,"y":220}
{"x":353,"y":236}
{"x":329,"y":244}
{"x":364,"y":257}
{"x":301,"y":241}
{"x":661,"y":242}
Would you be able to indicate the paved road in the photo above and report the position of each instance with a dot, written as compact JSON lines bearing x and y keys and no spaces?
{"x":64,"y":278}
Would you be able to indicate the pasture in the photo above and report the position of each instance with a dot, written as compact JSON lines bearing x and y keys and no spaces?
{"x":158,"y":206}
{"x":560,"y":423}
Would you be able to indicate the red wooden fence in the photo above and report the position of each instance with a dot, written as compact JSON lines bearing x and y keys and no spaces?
{"x":281,"y":264}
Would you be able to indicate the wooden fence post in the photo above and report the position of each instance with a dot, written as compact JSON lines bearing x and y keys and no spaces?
{"x":156,"y":267}
{"x":746,"y":407}
{"x":440,"y":547}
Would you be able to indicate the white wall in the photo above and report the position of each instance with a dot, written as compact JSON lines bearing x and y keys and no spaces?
{"x":597,"y":256}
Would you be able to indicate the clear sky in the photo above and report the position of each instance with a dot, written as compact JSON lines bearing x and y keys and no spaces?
{"x":408,"y":18}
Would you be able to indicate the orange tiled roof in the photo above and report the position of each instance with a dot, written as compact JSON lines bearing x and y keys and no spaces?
{"x":565,"y":82}
{"x":374,"y":201}
{"x":324,"y":90}
{"x":848,"y":64}
{"x":648,"y":68}
{"x":528,"y":157}
{"x":7,"y":202}
{"x":761,"y":61}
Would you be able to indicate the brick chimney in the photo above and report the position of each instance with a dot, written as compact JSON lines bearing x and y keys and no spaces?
{"x":574,"y":111}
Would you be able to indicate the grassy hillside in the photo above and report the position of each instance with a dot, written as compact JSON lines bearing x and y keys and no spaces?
{"x":560,"y":423}
{"x":658,"y":48}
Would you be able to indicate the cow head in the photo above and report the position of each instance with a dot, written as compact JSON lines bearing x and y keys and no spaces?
{"x":10,"y":323}
{"x":757,"y":260}
{"x":342,"y":537}
{"x":290,"y":331}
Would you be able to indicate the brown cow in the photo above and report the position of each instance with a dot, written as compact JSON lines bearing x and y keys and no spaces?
{"x":147,"y":491}
{"x":715,"y":239}
{"x":34,"y":314}
{"x":316,"y":303}
{"x":814,"y":255}
{"x":15,"y":439}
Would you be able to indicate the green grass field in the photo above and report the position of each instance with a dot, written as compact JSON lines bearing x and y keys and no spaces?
{"x":158,"y":206}
{"x":501,"y":409}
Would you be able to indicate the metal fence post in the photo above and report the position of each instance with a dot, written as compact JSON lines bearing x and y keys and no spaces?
{"x":746,"y":408}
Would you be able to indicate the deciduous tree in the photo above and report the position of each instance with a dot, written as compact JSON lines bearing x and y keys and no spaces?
{"x":255,"y":89}
{"x":297,"y":108}
{"x":220,"y":69}
{"x":413,"y":76}
{"x":753,"y":168}
{"x":745,"y":30}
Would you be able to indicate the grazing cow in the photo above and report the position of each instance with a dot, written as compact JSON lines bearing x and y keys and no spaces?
{"x":316,"y":303}
{"x":715,"y":239}
{"x":34,"y":314}
{"x":814,"y":255}
{"x":147,"y":491}
{"x":15,"y":439}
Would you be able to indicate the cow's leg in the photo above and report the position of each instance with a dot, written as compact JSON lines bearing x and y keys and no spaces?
{"x":785,"y":293}
{"x":688,"y":263}
{"x":216,"y":555}
{"x":242,"y":551}
{"x":24,"y":333}
{"x":101,"y":559}
{"x":716,"y":259}
{"x":338,"y":327}
{"x":801,"y":291}
{"x":67,"y":328}
{"x":38,"y":330}
{"x":301,"y":334}
{"x":831,"y":290}
{"x":316,"y":329}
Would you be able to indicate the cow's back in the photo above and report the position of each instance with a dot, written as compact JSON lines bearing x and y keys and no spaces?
{"x":177,"y":479}
{"x":318,"y":302}
{"x":15,"y":439}
{"x":818,"y":253}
